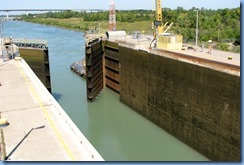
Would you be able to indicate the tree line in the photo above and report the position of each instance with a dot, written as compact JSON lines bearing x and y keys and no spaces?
{"x":222,"y":25}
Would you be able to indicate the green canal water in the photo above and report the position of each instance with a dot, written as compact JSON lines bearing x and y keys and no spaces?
{"x":116,"y":131}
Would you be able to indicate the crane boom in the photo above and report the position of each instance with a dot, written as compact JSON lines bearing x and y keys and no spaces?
{"x":168,"y":27}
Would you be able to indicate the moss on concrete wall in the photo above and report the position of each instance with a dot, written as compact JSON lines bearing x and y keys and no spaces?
{"x":199,"y":106}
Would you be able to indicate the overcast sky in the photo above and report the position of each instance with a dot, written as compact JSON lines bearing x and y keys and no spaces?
{"x":120,"y":4}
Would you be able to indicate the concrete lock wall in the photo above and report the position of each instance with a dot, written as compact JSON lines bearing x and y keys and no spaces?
{"x":198,"y":105}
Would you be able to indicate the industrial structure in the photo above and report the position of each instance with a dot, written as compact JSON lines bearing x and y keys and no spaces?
{"x":171,"y":87}
{"x":158,"y":16}
{"x":112,"y":16}
{"x":164,"y":40}
{"x":195,"y":98}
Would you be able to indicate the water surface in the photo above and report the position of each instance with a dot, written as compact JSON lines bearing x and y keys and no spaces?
{"x":116,"y":131}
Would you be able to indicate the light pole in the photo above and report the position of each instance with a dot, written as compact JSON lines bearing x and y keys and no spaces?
{"x":1,"y":35}
{"x":196,"y":28}
{"x":99,"y":27}
{"x":218,"y":34}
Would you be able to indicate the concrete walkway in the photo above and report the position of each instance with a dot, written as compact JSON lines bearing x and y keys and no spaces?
{"x":39,"y":128}
{"x":216,"y":55}
{"x":217,"y":60}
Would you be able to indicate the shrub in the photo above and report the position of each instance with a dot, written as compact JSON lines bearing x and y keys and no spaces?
{"x":223,"y":46}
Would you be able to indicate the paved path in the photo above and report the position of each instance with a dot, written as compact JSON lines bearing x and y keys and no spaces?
{"x":216,"y":55}
{"x":39,"y":128}
{"x":218,"y":60}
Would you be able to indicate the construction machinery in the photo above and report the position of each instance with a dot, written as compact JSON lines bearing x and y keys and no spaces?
{"x":162,"y":39}
{"x":158,"y":16}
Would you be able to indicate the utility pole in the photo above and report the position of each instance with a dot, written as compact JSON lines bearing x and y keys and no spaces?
{"x":218,"y":34}
{"x":196,"y":29}
{"x":99,"y":27}
{"x":112,"y":17}
{"x":1,"y":33}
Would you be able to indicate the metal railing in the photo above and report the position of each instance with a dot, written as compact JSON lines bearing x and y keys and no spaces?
{"x":35,"y":43}
{"x":29,"y":41}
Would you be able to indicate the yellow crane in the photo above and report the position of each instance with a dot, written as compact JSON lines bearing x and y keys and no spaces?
{"x":164,"y":40}
{"x":159,"y":19}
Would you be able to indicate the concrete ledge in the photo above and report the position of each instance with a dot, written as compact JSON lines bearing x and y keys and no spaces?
{"x":63,"y":118}
{"x":59,"y":134}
